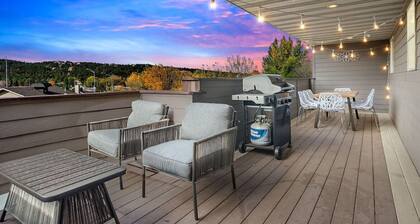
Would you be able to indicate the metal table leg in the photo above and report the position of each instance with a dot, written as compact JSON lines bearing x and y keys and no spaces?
{"x":109,"y":204}
{"x":317,"y":118}
{"x":353,"y":126}
{"x":355,"y":111}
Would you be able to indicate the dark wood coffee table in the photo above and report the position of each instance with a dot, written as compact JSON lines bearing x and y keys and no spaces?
{"x":60,"y":186}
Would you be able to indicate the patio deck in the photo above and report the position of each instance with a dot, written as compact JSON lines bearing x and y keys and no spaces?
{"x":331,"y":177}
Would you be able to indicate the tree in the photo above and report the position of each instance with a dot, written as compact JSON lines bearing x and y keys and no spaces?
{"x":284,"y":58}
{"x":90,"y":81}
{"x":134,"y":81}
{"x":159,"y":77}
{"x":240,"y":65}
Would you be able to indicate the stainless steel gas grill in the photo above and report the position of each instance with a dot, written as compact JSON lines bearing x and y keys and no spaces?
{"x":266,"y":122}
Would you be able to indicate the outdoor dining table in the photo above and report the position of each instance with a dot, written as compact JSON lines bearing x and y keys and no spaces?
{"x":351,"y":96}
{"x":60,"y":186}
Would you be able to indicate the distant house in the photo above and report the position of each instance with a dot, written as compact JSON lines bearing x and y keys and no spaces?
{"x":33,"y":90}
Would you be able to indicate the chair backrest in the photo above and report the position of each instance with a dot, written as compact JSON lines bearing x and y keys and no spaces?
{"x":342,"y":89}
{"x":144,"y":112}
{"x":202,"y":120}
{"x":310,"y":93}
{"x":371,"y":97}
{"x":331,"y":102}
{"x":368,"y":103}
{"x":302,"y":99}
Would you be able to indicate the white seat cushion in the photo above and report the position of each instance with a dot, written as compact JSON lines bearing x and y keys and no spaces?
{"x":205,"y":119}
{"x":144,"y":112}
{"x":105,"y":141}
{"x":173,"y":157}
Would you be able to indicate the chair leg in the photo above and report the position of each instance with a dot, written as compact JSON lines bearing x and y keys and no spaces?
{"x":299,"y":114}
{"x":375,"y":117}
{"x":232,"y":170}
{"x":89,"y":152}
{"x":194,"y":188}
{"x":143,"y":183}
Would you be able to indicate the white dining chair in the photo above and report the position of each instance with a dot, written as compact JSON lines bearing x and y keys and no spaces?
{"x":332,"y":103}
{"x":305,"y":104}
{"x":367,"y":105}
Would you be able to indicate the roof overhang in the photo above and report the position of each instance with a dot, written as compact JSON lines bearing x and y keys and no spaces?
{"x":321,"y":21}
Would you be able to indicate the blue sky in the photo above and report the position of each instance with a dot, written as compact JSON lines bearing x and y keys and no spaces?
{"x":170,"y":32}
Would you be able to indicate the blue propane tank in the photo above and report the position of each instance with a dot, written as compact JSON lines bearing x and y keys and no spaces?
{"x":261,"y":131}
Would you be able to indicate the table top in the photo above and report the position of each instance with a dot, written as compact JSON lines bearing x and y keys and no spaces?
{"x":53,"y":175}
{"x":347,"y":94}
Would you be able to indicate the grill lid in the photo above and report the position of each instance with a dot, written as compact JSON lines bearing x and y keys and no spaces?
{"x":267,"y":84}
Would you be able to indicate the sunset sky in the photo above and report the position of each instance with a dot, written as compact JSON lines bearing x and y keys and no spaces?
{"x":184,"y":33}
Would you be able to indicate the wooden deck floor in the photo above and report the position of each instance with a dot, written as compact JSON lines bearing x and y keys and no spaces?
{"x":331,"y":177}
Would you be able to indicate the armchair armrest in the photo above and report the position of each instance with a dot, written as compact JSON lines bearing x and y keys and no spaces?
{"x":130,"y":138}
{"x":107,"y":124}
{"x":214,"y":152}
{"x":160,"y":135}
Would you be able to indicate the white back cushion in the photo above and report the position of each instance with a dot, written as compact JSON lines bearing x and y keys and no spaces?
{"x":205,"y":119}
{"x":144,"y":112}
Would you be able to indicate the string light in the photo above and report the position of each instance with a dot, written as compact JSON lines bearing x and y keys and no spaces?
{"x":364,"y":37}
{"x":386,"y":48}
{"x":341,"y":44}
{"x":307,"y":47}
{"x":352,"y":54}
{"x":401,"y":22}
{"x":333,"y":54}
{"x":387,"y":87}
{"x":322,"y":46}
{"x":384,"y":67}
{"x":313,"y":51}
{"x":332,"y":6}
{"x":339,"y":28}
{"x":213,"y":4}
{"x":260,"y":16}
{"x":372,"y":53}
{"x":302,"y":25}
{"x":388,"y":97}
{"x":375,"y":25}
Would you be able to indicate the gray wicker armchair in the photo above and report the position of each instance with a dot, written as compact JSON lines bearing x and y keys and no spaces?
{"x":203,"y":143}
{"x":120,"y":138}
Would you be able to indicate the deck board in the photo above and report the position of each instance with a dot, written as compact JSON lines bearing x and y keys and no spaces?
{"x":331,"y":177}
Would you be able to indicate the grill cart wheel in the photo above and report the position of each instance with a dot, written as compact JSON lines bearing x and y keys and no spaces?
{"x":277,"y":152}
{"x":242,"y":147}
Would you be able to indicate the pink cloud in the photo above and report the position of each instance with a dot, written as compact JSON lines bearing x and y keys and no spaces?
{"x":162,"y":24}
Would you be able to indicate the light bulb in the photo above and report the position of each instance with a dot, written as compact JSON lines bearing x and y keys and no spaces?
{"x":387,"y":87}
{"x":372,"y":53}
{"x":375,"y":25}
{"x":302,"y":25}
{"x":332,"y":6}
{"x":388,"y":97}
{"x":333,"y":54}
{"x":401,"y":22}
{"x":339,"y":28}
{"x":213,"y":4}
{"x":260,"y":16}
{"x":313,"y":51}
{"x":307,"y":47}
{"x":384,"y":67}
{"x":351,"y":54}
{"x":341,"y":45}
{"x":322,"y":47}
{"x":364,"y":37}
{"x":387,"y":48}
